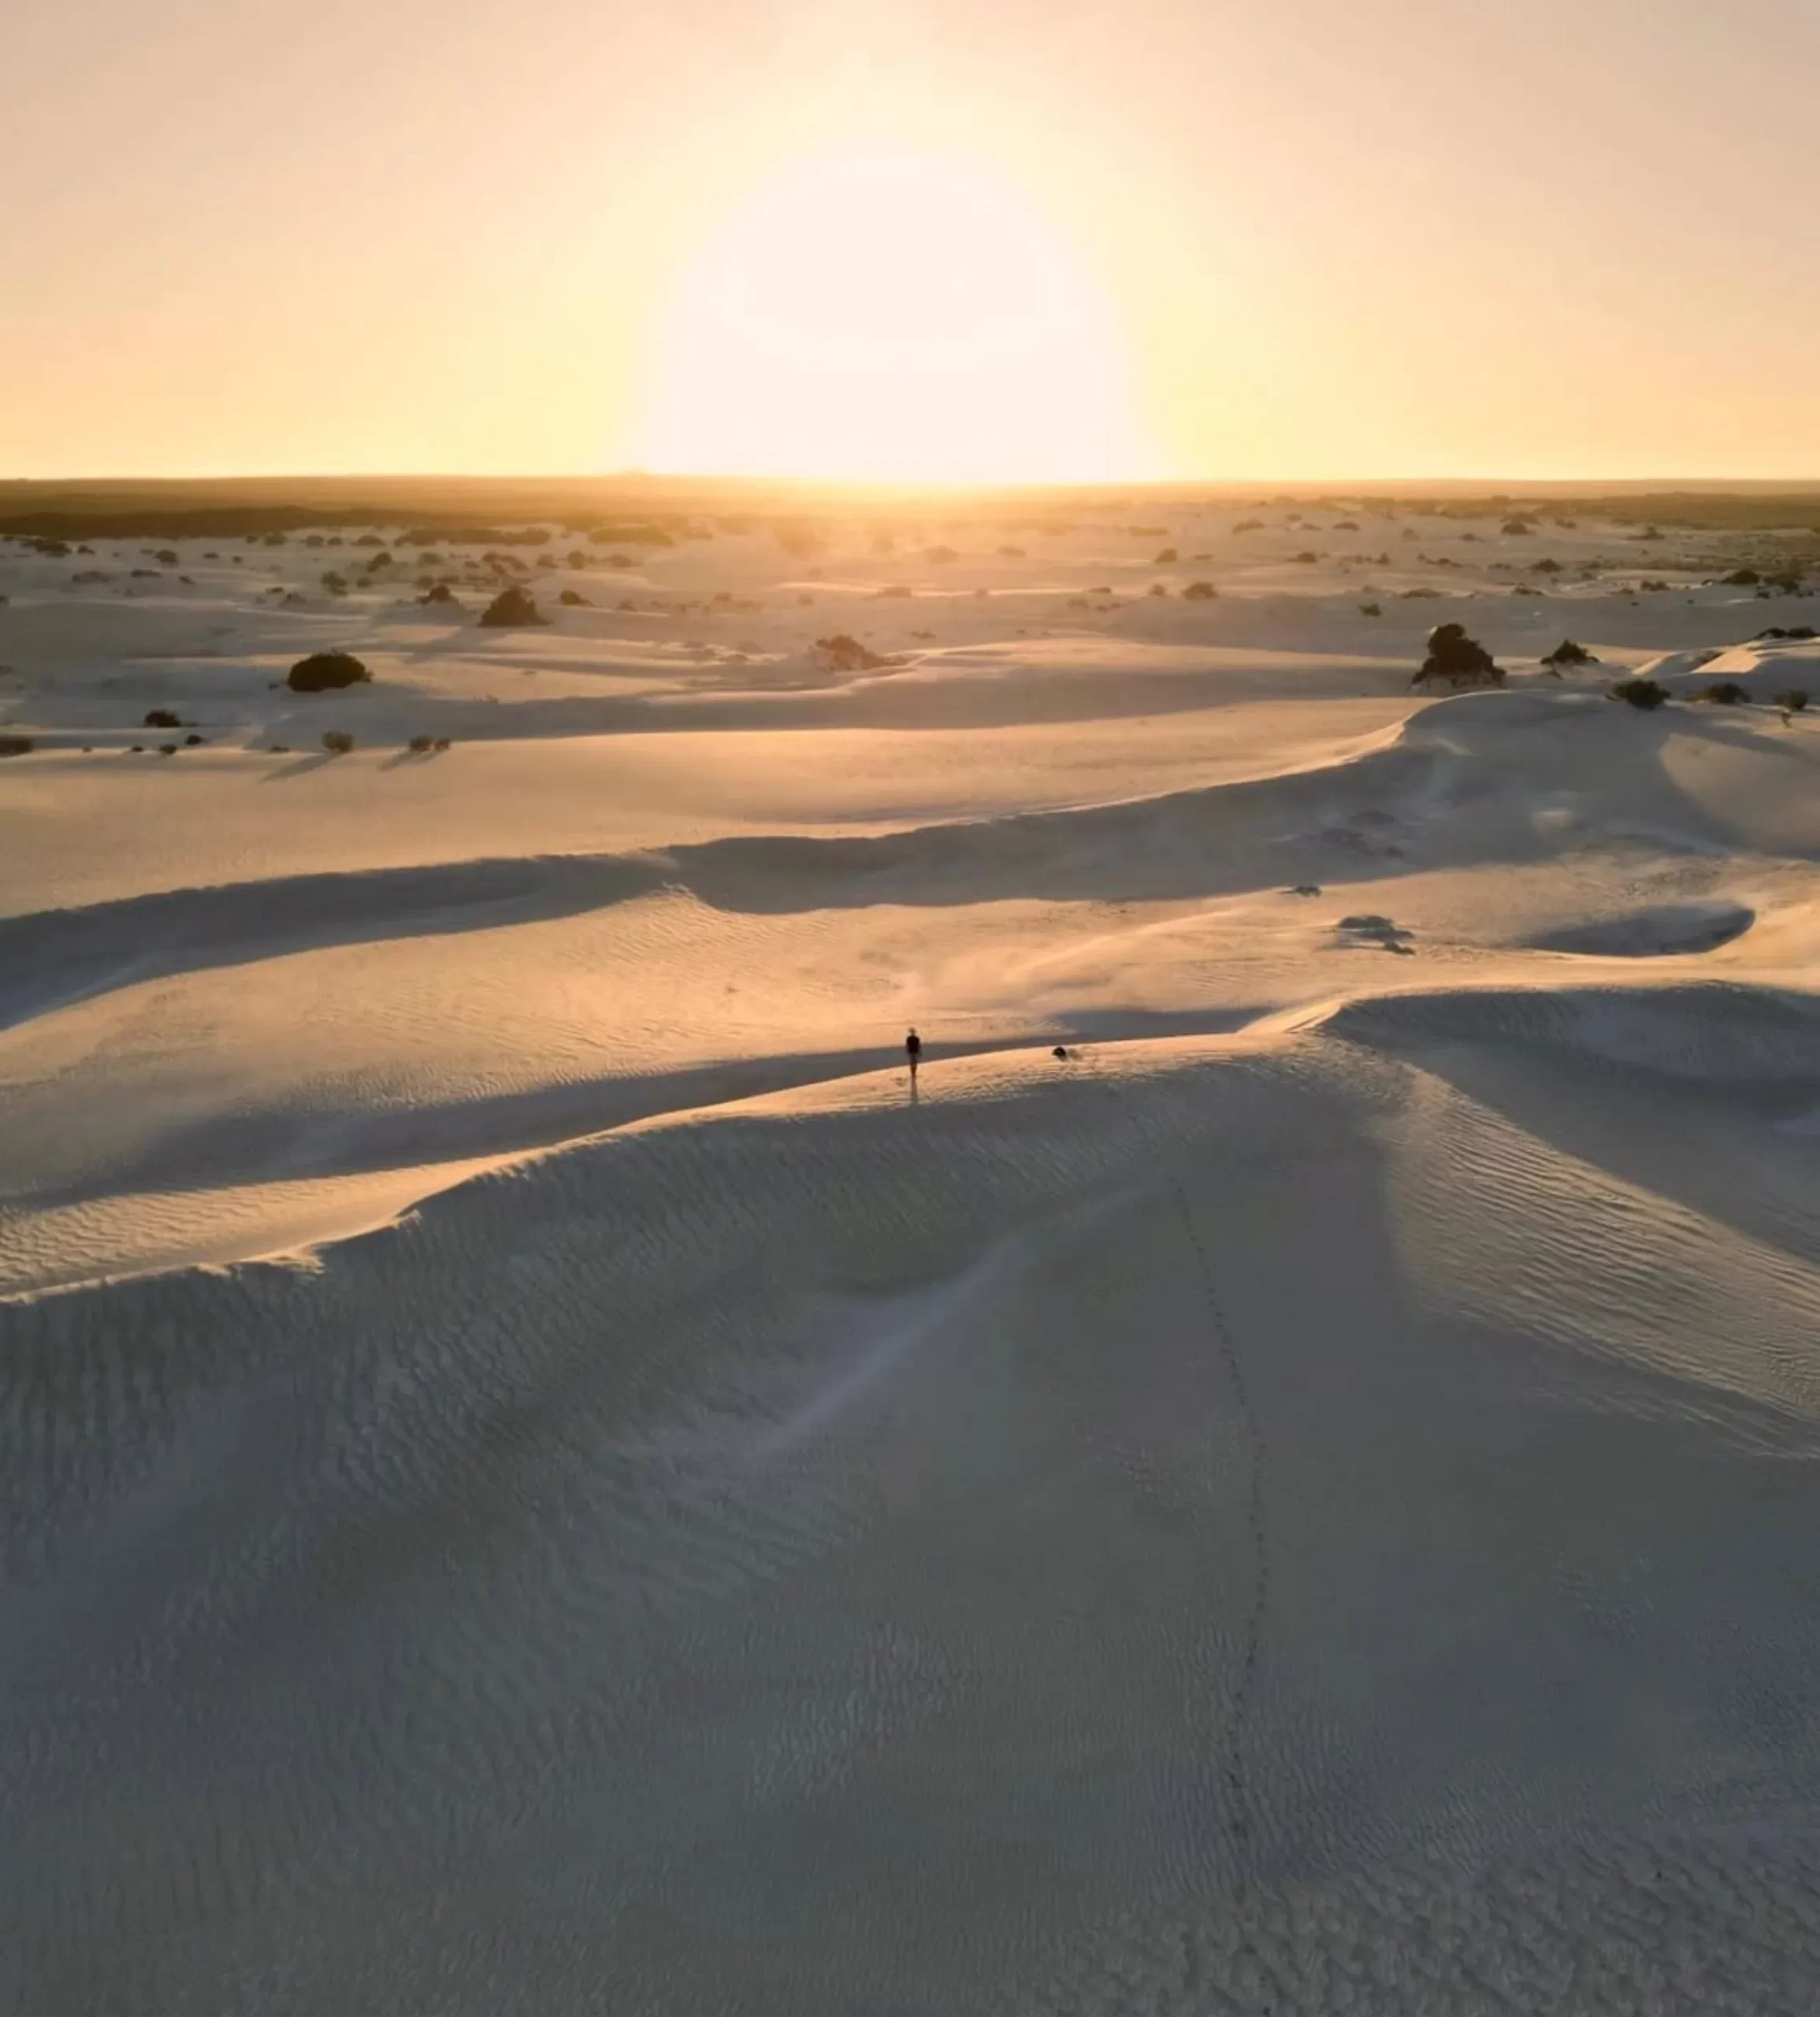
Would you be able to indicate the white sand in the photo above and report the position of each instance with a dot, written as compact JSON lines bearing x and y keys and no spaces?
{"x":536,"y":1479}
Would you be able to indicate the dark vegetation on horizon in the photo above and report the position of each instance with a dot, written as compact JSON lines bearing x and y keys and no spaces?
{"x":637,"y":509}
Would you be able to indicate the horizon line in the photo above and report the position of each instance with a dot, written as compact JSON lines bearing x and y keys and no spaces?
{"x":925,"y":485}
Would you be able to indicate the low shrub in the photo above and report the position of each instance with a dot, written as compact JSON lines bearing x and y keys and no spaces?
{"x":324,"y":672}
{"x":1725,"y":693}
{"x":1458,"y":659}
{"x":337,"y":741}
{"x":847,"y":653}
{"x":1639,"y":692}
{"x":509,"y":608}
{"x":161,"y":718}
{"x":17,"y":745}
{"x":1794,"y":701}
{"x":1200,"y":592}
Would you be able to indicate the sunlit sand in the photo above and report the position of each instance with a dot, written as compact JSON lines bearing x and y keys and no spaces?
{"x":540,"y":1479}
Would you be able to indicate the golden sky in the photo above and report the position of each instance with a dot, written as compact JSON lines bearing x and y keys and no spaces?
{"x":997,"y":240}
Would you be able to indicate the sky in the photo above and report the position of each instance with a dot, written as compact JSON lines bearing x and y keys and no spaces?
{"x":962,"y":240}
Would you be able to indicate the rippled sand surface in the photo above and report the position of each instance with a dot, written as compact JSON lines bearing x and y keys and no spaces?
{"x":535,"y":1476}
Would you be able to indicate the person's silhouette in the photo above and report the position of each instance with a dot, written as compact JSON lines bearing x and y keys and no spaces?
{"x":913,"y":1050}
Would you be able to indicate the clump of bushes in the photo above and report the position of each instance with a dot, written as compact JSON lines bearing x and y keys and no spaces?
{"x":573,"y":600}
{"x":161,"y":718}
{"x":1371,"y":609}
{"x":511,"y":608}
{"x":1740,"y":577}
{"x":441,"y":593}
{"x":1793,"y":702}
{"x":1200,"y":592}
{"x":1725,"y":693}
{"x":1643,"y":694}
{"x":17,"y":745}
{"x":846,"y":654}
{"x":337,"y":741}
{"x":324,"y":672}
{"x":630,"y":536}
{"x":1167,"y":557}
{"x":1460,"y":660}
{"x":1568,"y":652}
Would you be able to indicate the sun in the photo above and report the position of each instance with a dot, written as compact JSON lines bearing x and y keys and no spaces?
{"x":880,"y":315}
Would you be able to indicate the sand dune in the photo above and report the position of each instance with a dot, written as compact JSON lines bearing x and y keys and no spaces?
{"x":537,"y":1475}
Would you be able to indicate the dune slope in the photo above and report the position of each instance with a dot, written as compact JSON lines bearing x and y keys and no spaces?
{"x":538,"y":1472}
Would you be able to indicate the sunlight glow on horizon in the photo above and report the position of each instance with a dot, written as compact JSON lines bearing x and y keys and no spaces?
{"x":890,"y":315}
{"x":851,"y":240}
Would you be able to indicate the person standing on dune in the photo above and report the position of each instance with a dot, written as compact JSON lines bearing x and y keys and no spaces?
{"x":913,"y":1050}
